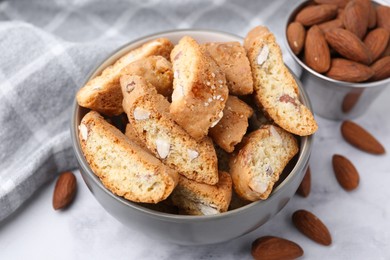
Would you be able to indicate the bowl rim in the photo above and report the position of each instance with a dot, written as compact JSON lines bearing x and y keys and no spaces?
{"x":296,"y":8}
{"x":303,"y":157}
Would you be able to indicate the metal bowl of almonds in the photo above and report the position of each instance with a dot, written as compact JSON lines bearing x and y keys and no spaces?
{"x":102,"y":145}
{"x":343,"y":48}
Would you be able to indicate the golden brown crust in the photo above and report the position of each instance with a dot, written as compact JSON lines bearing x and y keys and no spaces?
{"x":195,"y":198}
{"x":231,"y":58}
{"x":275,"y":87}
{"x":156,"y":70}
{"x":258,"y":164}
{"x":103,"y":93}
{"x":233,"y":125}
{"x":200,"y":90}
{"x":123,"y":167}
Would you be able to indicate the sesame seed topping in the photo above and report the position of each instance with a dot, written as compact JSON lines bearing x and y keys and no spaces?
{"x":220,"y":86}
{"x":220,"y":81}
{"x":222,"y":99}
{"x":213,"y":74}
{"x":208,"y":83}
{"x":210,"y":99}
{"x":206,"y":104}
{"x":212,"y":86}
{"x":218,"y":97}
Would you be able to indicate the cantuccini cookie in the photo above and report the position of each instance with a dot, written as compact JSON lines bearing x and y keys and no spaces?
{"x":233,"y":125}
{"x":148,"y":113}
{"x":157,"y":70}
{"x":103,"y":93}
{"x":133,"y":136}
{"x":257,"y":165}
{"x":194,"y":198}
{"x":200,"y":90}
{"x":275,"y":88}
{"x":231,"y":58}
{"x":123,"y":167}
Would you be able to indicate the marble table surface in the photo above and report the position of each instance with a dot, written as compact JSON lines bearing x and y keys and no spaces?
{"x":359,"y":221}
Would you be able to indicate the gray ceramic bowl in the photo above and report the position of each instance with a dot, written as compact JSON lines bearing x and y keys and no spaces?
{"x":334,"y":99}
{"x":190,"y":230}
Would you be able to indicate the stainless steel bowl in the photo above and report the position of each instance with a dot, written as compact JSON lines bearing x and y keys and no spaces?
{"x":190,"y":230}
{"x":334,"y":99}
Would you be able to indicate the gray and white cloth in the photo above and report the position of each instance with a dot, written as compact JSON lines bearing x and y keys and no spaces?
{"x":48,"y":47}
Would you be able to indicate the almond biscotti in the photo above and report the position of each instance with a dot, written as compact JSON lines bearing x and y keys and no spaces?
{"x":233,"y":125}
{"x":257,"y":165}
{"x":231,"y":58}
{"x":123,"y":167}
{"x":148,"y":113}
{"x":193,"y":198}
{"x":133,"y":136}
{"x":103,"y":93}
{"x":275,"y":87}
{"x":200,"y":90}
{"x":156,"y":70}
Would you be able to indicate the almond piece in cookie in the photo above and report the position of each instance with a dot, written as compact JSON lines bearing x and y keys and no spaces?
{"x":200,"y":90}
{"x":233,"y":125}
{"x":148,"y":114}
{"x":103,"y":92}
{"x":260,"y":161}
{"x":157,"y":70}
{"x":124,"y":168}
{"x":275,"y":87}
{"x":231,"y":58}
{"x":194,"y":198}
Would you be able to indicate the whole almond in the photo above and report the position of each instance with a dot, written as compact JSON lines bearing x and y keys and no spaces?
{"x":349,"y":71}
{"x":381,"y":69}
{"x":360,"y":138}
{"x":305,"y":186}
{"x":350,"y":100}
{"x":387,"y":50}
{"x":340,"y":15}
{"x":275,"y":248}
{"x":296,"y":36}
{"x":317,"y":55}
{"x":311,"y":226}
{"x":348,"y":45}
{"x":64,"y":191}
{"x":372,"y":17}
{"x":333,"y":24}
{"x":339,"y":3}
{"x":383,"y":17}
{"x":315,"y":14}
{"x":355,"y":18}
{"x":346,"y":173}
{"x":367,"y":4}
{"x":376,"y":41}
